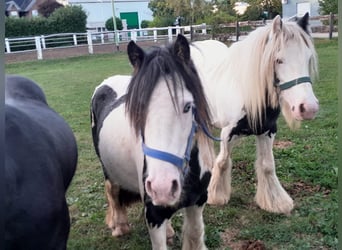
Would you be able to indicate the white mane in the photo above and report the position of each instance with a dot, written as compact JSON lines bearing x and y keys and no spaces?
{"x":253,"y":63}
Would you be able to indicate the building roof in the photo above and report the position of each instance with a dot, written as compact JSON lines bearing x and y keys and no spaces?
{"x":20,"y":5}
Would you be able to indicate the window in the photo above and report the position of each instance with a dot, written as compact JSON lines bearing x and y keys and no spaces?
{"x":302,"y":8}
{"x":14,"y":13}
{"x":34,"y":12}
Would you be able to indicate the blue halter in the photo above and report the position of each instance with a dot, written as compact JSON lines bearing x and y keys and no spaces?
{"x":179,"y":162}
{"x":171,"y":158}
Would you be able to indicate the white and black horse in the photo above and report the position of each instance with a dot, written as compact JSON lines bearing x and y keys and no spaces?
{"x":247,"y":85}
{"x":40,"y":161}
{"x":147,"y":134}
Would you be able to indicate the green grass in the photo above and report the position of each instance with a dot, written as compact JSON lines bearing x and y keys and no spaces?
{"x":307,"y":169}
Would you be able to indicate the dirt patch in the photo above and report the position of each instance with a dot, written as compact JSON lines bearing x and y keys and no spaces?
{"x":282,"y":144}
{"x":300,"y":188}
{"x":228,"y":238}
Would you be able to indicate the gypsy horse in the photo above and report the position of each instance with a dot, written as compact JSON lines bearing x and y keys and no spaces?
{"x":40,"y":161}
{"x":247,"y":85}
{"x":148,"y":134}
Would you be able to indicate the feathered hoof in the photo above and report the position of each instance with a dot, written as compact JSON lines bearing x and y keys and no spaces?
{"x":280,"y":205}
{"x":217,"y":198}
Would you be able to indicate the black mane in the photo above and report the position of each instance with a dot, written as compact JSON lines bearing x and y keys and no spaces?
{"x":162,"y":62}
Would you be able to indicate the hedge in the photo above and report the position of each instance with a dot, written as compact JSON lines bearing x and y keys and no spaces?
{"x":62,"y":20}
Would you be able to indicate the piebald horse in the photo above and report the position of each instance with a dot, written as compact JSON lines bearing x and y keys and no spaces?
{"x":247,"y":85}
{"x":147,"y":132}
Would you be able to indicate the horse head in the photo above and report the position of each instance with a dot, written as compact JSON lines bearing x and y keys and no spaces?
{"x":164,"y":100}
{"x":295,"y":64}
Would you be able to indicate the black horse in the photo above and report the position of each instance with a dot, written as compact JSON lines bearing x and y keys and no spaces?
{"x":40,"y":161}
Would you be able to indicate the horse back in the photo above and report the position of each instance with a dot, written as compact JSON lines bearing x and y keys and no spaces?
{"x":41,"y":158}
{"x":112,"y":132}
{"x":109,"y":95}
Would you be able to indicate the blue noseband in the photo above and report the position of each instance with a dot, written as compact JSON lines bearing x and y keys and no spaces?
{"x":179,"y":162}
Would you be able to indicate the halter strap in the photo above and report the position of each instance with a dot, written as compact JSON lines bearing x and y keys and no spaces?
{"x":164,"y":156}
{"x":207,"y":133}
{"x":290,"y":84}
{"x":179,"y":162}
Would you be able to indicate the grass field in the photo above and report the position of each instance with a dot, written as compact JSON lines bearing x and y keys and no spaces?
{"x":306,"y":162}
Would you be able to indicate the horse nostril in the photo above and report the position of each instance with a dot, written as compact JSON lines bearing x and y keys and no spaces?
{"x":301,"y":108}
{"x":174,"y":187}
{"x":148,"y":187}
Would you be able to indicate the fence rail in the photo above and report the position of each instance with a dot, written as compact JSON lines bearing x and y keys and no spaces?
{"x":42,"y":43}
{"x":91,"y":39}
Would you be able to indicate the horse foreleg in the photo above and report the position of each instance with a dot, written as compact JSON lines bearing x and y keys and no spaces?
{"x":270,"y":195}
{"x":116,"y":217}
{"x":158,"y":235}
{"x":170,"y":233}
{"x":193,"y":228}
{"x":220,"y":184}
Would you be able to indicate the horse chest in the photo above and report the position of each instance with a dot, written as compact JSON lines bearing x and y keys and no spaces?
{"x":268,"y":124}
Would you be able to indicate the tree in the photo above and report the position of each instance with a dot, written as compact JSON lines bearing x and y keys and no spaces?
{"x":110,"y":24}
{"x":271,"y":7}
{"x":166,"y":12}
{"x":68,"y":19}
{"x":145,"y":24}
{"x":327,"y":6}
{"x":46,"y":8}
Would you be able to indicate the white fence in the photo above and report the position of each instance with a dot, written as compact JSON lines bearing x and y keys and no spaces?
{"x":91,"y":39}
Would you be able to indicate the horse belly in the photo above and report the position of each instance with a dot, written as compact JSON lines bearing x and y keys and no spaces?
{"x":119,"y":151}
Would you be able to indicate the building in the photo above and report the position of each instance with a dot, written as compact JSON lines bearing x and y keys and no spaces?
{"x":300,"y":7}
{"x":99,"y":11}
{"x":22,"y":8}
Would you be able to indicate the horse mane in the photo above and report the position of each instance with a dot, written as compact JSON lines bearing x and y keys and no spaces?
{"x":257,"y":53}
{"x":160,"y":62}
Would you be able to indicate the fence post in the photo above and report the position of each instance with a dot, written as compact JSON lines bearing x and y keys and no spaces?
{"x":331,"y":25}
{"x":42,"y":37}
{"x":39,"y":48}
{"x":155,"y":35}
{"x":177,"y":30}
{"x":134,"y":35}
{"x":169,"y":33}
{"x":90,"y":43}
{"x":8,"y":47}
{"x":204,"y":29}
{"x":74,"y":36}
{"x":102,"y":38}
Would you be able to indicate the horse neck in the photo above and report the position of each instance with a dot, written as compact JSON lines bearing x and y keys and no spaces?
{"x":246,"y":63}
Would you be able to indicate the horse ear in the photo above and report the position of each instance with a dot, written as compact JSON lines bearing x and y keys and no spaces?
{"x":135,"y":54}
{"x":181,"y":49}
{"x":277,"y":25}
{"x":304,"y":22}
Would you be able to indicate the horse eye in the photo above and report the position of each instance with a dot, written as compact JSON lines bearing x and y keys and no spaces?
{"x":187,"y":107}
{"x":279,"y":61}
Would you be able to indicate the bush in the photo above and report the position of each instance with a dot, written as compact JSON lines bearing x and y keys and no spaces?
{"x":68,"y":19}
{"x":144,"y":24}
{"x":63,"y":20}
{"x":110,"y":24}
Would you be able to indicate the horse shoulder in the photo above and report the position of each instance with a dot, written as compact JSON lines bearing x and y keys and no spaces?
{"x":33,"y":154}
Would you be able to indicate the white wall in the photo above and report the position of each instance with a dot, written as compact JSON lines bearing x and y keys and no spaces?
{"x":99,"y":11}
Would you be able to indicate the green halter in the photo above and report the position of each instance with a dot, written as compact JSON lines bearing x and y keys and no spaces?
{"x":289,"y":84}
